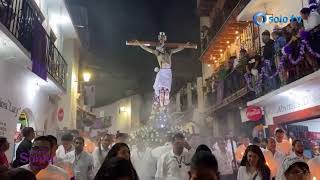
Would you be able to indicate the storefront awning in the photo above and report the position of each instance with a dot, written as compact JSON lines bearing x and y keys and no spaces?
{"x":274,"y":7}
{"x":295,"y":90}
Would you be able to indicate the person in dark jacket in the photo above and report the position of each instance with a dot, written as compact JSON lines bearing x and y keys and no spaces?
{"x":22,"y":154}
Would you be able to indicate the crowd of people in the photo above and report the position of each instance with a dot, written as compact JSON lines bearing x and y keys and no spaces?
{"x":288,"y":54}
{"x":116,"y":158}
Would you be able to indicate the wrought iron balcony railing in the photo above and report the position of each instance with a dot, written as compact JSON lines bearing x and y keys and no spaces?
{"x":21,"y":18}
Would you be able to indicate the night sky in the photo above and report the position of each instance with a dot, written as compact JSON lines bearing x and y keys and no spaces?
{"x":119,"y":69}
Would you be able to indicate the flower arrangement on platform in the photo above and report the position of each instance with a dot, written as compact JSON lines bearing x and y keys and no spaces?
{"x":155,"y":135}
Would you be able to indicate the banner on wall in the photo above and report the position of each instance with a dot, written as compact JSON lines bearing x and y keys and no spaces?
{"x":90,"y":95}
{"x":251,"y":113}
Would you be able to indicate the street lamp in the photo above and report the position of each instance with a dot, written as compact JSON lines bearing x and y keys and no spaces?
{"x":122,"y":109}
{"x":86,"y":76}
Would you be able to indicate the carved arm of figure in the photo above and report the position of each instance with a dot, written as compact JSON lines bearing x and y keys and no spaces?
{"x":173,"y":51}
{"x":145,"y":47}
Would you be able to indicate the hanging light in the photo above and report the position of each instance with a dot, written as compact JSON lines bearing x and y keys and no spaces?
{"x":220,"y":50}
{"x":209,"y":65}
{"x":237,"y":32}
{"x":86,"y":76}
{"x":229,"y":46}
{"x":238,"y":37}
{"x":228,"y":42}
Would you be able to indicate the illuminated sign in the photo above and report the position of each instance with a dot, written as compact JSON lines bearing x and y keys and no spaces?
{"x":261,"y":18}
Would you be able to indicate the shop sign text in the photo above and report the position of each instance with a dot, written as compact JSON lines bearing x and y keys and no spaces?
{"x":8,"y":106}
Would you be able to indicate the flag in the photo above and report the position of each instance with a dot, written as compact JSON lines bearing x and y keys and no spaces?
{"x":90,"y":95}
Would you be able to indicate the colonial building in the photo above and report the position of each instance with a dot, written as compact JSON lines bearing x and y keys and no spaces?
{"x":38,"y":67}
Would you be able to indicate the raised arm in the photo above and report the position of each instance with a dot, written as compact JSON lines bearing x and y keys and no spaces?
{"x":145,"y":47}
{"x":179,"y":48}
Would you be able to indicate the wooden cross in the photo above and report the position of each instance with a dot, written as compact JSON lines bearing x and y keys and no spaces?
{"x":155,"y":44}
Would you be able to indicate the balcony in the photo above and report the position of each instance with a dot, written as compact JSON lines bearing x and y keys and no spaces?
{"x":223,"y":26}
{"x":294,"y":75}
{"x":23,"y":20}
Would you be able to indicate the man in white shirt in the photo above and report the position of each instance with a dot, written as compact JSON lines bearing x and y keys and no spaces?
{"x":283,"y":145}
{"x":224,"y":158}
{"x":142,"y":161}
{"x":63,"y":151}
{"x":314,"y":165}
{"x":83,"y":162}
{"x":273,"y":157}
{"x":159,"y":151}
{"x":100,"y":153}
{"x":174,"y":165}
{"x":65,"y":165}
{"x":122,"y":138}
{"x":311,"y":19}
{"x":39,"y":164}
{"x":298,"y":150}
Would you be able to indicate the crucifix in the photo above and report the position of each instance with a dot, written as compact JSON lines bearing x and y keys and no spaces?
{"x":163,"y":51}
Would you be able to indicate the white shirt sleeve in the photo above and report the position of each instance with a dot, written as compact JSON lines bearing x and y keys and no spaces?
{"x":160,"y":168}
{"x":241,"y":172}
{"x":96,"y":159}
{"x":90,"y":167}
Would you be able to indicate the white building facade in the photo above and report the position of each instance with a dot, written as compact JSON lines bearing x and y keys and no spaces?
{"x":39,"y":53}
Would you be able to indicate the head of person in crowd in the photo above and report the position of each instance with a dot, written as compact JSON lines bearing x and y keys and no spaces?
{"x":222,"y":144}
{"x":264,"y":143}
{"x":245,"y":140}
{"x":20,"y":173}
{"x":256,"y":141}
{"x":204,"y":166}
{"x":117,"y":169}
{"x":298,"y":147}
{"x":294,"y":24}
{"x":305,"y":12}
{"x":254,"y":158}
{"x":120,"y":150}
{"x":28,"y":133}
{"x":316,"y":150}
{"x":178,"y":143}
{"x":78,"y":144}
{"x":106,"y":141}
{"x":67,"y":141}
{"x":40,"y":154}
{"x":275,"y":34}
{"x":203,"y":147}
{"x":4,"y":144}
{"x":54,"y":145}
{"x":294,"y":168}
{"x":271,"y":146}
{"x":122,"y":138}
{"x":279,"y":134}
{"x":243,"y":53}
{"x":265,"y":36}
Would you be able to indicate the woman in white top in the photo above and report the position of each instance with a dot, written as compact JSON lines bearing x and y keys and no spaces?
{"x":253,"y":165}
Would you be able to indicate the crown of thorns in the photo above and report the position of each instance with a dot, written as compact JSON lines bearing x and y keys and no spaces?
{"x":162,"y":35}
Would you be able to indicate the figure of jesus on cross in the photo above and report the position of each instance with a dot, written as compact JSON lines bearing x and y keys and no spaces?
{"x":162,"y":84}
